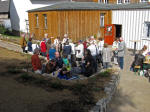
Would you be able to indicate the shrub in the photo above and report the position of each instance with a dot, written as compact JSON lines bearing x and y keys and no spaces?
{"x":2,"y":29}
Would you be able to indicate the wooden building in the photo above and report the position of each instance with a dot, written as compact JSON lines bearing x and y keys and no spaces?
{"x":78,"y":20}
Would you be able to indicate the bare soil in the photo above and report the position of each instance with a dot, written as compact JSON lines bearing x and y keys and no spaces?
{"x":33,"y":93}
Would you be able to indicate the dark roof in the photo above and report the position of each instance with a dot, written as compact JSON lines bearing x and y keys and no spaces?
{"x":91,"y":6}
{"x":4,"y":6}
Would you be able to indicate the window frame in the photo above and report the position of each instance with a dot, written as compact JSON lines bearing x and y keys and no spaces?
{"x":147,"y":29}
{"x":102,"y":22}
{"x":121,"y":1}
{"x":127,"y":1}
{"x":45,"y":21}
{"x":144,"y":1}
{"x":37,"y":20}
{"x":106,"y":1}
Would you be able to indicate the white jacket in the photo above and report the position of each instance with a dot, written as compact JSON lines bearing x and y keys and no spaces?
{"x":79,"y":51}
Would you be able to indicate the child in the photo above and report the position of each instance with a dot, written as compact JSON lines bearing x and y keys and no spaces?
{"x":106,"y":56}
{"x":63,"y":74}
{"x":66,"y":62}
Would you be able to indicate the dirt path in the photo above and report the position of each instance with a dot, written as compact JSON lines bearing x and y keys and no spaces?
{"x":134,"y":91}
{"x":10,"y":46}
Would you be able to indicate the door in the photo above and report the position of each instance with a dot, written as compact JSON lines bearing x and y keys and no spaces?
{"x":109,"y":34}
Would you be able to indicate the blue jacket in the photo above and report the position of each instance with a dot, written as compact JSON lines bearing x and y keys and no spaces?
{"x":52,"y":53}
{"x":67,"y":50}
{"x":29,"y":46}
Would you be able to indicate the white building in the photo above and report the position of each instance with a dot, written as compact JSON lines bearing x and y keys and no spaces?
{"x":135,"y":22}
{"x":19,"y":8}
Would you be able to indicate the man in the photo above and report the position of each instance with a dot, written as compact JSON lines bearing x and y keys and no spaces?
{"x":23,"y":42}
{"x":59,"y":61}
{"x":121,"y":52}
{"x":79,"y":51}
{"x":72,"y":50}
{"x":94,"y":53}
{"x":36,"y":62}
{"x":67,"y":50}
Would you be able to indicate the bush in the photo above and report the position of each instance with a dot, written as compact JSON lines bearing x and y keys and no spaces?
{"x":2,"y":29}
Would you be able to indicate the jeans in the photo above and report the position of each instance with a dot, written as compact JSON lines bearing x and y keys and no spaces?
{"x":121,"y":62}
{"x":106,"y":65}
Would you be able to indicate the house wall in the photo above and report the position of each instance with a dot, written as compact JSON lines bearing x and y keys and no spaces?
{"x":115,"y":1}
{"x":19,"y":8}
{"x":77,"y":24}
{"x":132,"y":28}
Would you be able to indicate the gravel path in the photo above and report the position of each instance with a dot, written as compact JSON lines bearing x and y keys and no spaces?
{"x":134,"y":91}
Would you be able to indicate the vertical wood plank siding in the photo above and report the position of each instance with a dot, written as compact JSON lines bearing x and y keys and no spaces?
{"x":132,"y":22}
{"x":78,"y":24}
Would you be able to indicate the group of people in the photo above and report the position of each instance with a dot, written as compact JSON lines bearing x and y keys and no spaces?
{"x":140,"y":58}
{"x":82,"y":57}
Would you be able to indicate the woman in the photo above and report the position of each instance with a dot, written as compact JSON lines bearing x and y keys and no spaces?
{"x":48,"y":46}
{"x":88,"y":64}
{"x":23,"y":42}
{"x":30,"y":45}
{"x":43,"y":47}
{"x":115,"y":50}
{"x":106,"y":56}
{"x":52,"y":51}
{"x":145,"y":50}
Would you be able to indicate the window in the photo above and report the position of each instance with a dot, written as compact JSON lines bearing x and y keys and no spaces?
{"x":106,"y":1}
{"x":147,"y":29}
{"x":100,"y":1}
{"x":127,"y":1}
{"x":37,"y":20}
{"x":143,"y":0}
{"x":102,"y":20}
{"x":120,"y":1}
{"x":45,"y":20}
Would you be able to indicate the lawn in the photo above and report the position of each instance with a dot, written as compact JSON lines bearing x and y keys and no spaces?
{"x":27,"y":92}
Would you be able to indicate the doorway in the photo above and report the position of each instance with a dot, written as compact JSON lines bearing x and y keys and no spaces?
{"x":118,"y":31}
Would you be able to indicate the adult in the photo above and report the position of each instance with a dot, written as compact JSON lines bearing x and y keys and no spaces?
{"x":36,"y":62}
{"x":52,"y":51}
{"x":87,"y":66}
{"x":121,"y":52}
{"x":94,"y":53}
{"x":100,"y":48}
{"x":72,"y":50}
{"x":50,"y":66}
{"x":115,"y":50}
{"x":59,"y":61}
{"x":48,"y":46}
{"x":65,"y":39}
{"x":138,"y":60}
{"x":23,"y":42}
{"x":145,"y":50}
{"x":79,"y":51}
{"x":46,"y":37}
{"x":43,"y":47}
{"x":67,"y":50}
{"x":30,"y":45}
{"x":106,"y":56}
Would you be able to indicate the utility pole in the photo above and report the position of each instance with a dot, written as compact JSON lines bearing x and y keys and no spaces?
{"x":27,"y":27}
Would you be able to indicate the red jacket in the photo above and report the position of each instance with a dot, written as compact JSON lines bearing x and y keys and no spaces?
{"x":43,"y":46}
{"x":36,"y":62}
